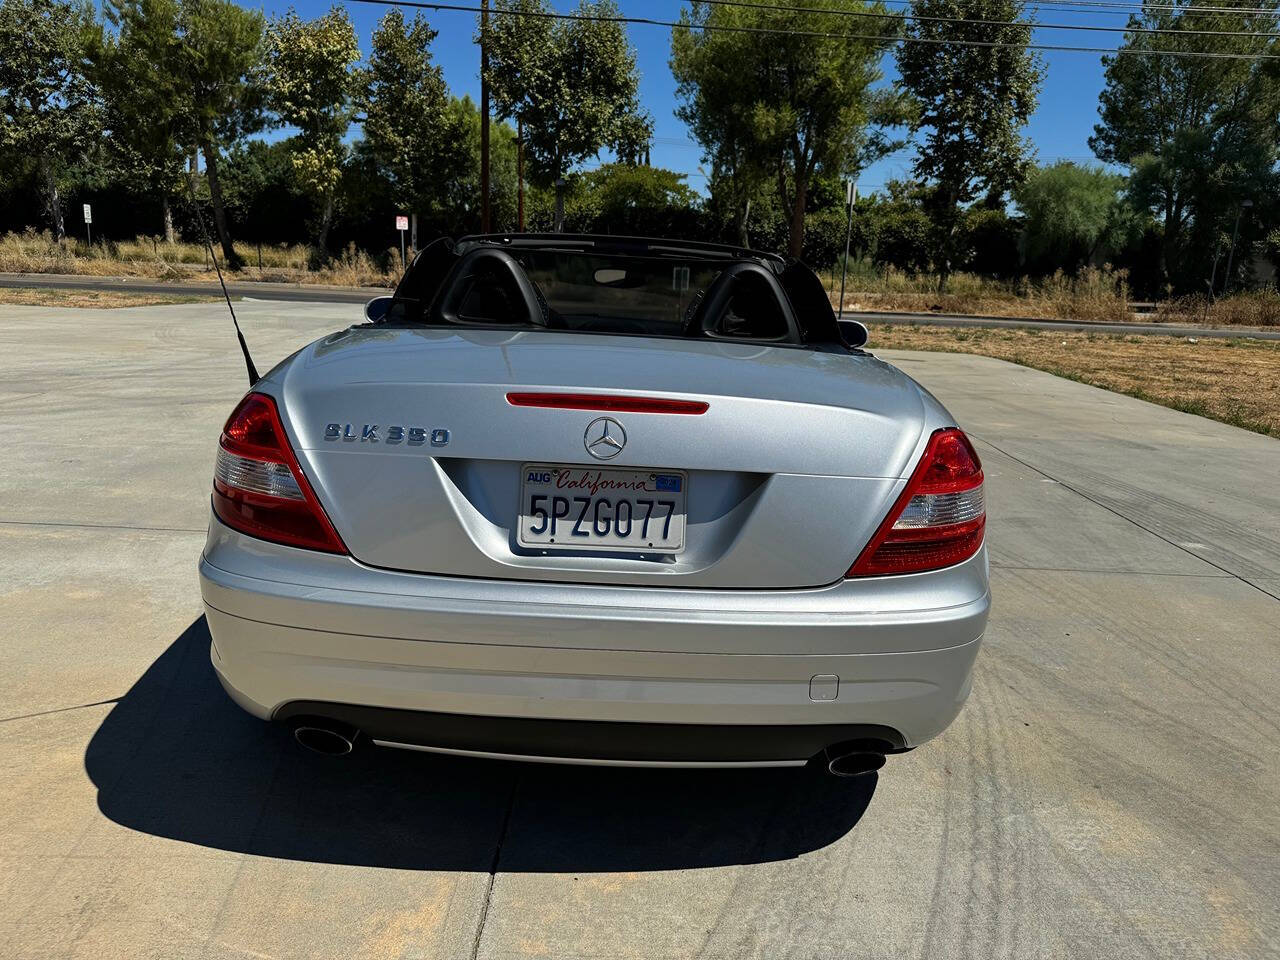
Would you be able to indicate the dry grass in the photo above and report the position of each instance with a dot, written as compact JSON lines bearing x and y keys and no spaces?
{"x":1236,"y":381}
{"x":38,"y":252}
{"x":1257,"y":308}
{"x":1097,"y":295}
{"x":40,"y":297}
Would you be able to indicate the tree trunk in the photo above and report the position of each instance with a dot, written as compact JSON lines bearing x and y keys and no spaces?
{"x":950,"y":224}
{"x":795,"y":232}
{"x":944,"y":265}
{"x":744,"y":217}
{"x":229,"y":255}
{"x":559,"y":220}
{"x":168,"y":218}
{"x":326,"y":221}
{"x":52,"y":201}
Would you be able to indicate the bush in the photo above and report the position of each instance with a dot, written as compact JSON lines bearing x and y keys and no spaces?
{"x":989,"y":242}
{"x":824,"y":237}
{"x":904,"y":237}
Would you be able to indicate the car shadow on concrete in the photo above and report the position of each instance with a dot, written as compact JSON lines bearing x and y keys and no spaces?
{"x":175,"y":758}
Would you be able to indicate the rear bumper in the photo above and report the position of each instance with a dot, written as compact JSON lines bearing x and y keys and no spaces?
{"x":592,"y":741}
{"x":633,"y":669}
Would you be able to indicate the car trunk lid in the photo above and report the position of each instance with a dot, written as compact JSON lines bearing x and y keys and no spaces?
{"x":417,"y":453}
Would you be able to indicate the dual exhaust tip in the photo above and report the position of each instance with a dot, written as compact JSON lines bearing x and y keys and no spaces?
{"x":335,"y":739}
{"x":853,"y":759}
{"x":328,"y":737}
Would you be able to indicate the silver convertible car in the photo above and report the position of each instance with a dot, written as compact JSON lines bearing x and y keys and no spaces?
{"x":598,"y":500}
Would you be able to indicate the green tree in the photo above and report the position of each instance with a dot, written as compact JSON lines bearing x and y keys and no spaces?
{"x":48,"y":107}
{"x":974,"y":102}
{"x":261,"y":191}
{"x":619,"y":187}
{"x":412,"y":136}
{"x":221,"y":92}
{"x":1071,"y":214}
{"x":631,"y":143}
{"x":312,"y":86}
{"x":571,"y":83}
{"x":459,"y":184}
{"x":1199,"y":136}
{"x":134,"y":67}
{"x":782,"y":108}
{"x":902,"y":233}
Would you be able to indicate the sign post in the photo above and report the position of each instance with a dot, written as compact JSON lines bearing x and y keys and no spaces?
{"x":850,"y":195}
{"x":402,"y":224}
{"x":88,"y":219}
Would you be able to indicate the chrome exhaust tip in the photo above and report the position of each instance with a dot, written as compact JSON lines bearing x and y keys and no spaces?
{"x":853,"y":761}
{"x":330,"y":738}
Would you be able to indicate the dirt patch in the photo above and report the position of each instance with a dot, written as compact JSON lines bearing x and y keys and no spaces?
{"x":1097,"y":310}
{"x":40,"y":297}
{"x":1236,"y":381}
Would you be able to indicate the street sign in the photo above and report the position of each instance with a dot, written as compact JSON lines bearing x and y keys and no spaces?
{"x":402,"y":224}
{"x":88,"y":214}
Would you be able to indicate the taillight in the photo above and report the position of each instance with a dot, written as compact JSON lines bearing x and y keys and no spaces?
{"x":940,"y":518}
{"x":258,"y":487}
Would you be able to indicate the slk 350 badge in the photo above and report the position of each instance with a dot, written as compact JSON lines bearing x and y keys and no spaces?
{"x":373,"y":433}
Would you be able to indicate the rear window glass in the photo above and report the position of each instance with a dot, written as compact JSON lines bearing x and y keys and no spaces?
{"x":619,"y":294}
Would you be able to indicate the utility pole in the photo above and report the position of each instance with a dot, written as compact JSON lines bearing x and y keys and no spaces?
{"x":519,"y":175}
{"x":484,"y":116}
{"x":851,"y":194}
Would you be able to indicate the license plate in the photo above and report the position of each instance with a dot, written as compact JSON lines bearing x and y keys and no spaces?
{"x":583,"y":508}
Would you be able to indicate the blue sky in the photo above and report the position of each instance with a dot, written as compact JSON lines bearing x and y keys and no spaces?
{"x":1060,"y":128}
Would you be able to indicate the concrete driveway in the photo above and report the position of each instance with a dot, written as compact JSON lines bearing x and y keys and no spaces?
{"x":1110,"y":790}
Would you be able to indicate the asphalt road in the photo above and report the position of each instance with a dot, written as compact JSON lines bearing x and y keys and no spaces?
{"x":1109,"y":791}
{"x":316,"y":293}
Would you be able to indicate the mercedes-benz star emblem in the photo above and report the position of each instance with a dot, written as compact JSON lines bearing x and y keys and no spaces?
{"x":604,"y":438}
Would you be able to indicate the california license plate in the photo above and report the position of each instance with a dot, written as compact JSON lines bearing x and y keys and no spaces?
{"x":584,"y":508}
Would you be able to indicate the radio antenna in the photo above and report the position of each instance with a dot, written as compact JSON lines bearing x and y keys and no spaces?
{"x":244,"y":347}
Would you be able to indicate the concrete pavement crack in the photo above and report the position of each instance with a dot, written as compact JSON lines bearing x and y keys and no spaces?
{"x":493,"y":867}
{"x":99,"y":526}
{"x":45,"y":713}
{"x":998,"y":565}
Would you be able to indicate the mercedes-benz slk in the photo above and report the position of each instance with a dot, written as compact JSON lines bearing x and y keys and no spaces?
{"x":598,"y":500}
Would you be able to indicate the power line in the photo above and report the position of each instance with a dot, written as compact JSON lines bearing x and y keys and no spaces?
{"x":1122,"y":8}
{"x":906,"y":17}
{"x":1131,"y":9}
{"x":824,"y":35}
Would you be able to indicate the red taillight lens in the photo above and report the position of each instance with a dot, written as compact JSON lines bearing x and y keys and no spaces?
{"x":940,"y":518}
{"x":258,"y":487}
